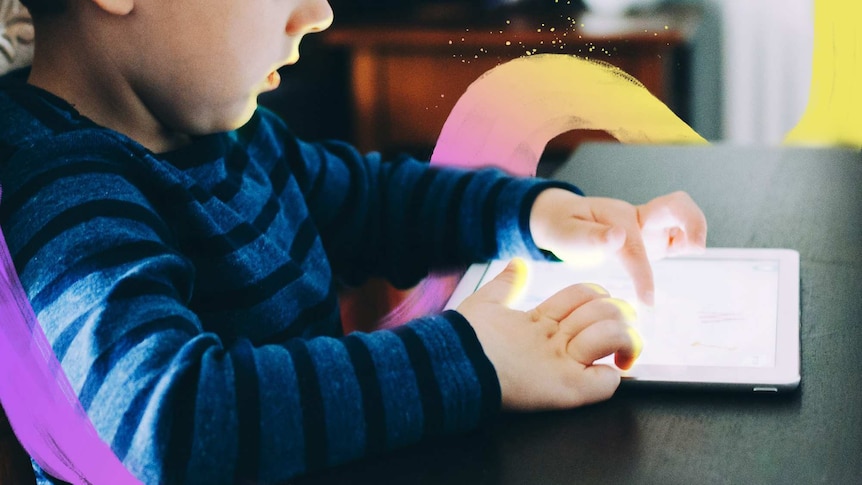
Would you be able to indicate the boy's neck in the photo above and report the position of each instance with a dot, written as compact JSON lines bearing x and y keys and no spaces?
{"x":71,"y":69}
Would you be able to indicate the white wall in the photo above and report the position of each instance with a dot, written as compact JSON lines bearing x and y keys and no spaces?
{"x":766,"y":66}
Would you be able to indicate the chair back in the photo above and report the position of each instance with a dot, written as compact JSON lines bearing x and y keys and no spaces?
{"x":16,"y":36}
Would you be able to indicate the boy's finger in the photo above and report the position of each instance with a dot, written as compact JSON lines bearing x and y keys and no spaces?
{"x":595,"y":311}
{"x":634,"y":258}
{"x":602,"y":382}
{"x":686,"y":213}
{"x":625,"y":358}
{"x":602,"y":339}
{"x":562,"y":303}
{"x":693,"y":220}
{"x":507,"y":286}
{"x":677,"y":241}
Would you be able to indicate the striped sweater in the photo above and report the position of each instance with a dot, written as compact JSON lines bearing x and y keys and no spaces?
{"x":190,"y":296}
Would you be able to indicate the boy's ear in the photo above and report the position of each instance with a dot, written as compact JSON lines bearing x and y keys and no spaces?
{"x":116,"y":7}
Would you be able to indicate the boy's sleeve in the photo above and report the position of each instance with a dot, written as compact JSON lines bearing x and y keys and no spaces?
{"x":398,"y":219}
{"x":178,"y":404}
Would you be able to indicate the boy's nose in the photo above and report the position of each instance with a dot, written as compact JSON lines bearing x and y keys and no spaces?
{"x":310,"y":16}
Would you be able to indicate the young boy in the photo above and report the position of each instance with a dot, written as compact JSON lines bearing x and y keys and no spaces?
{"x":181,"y":248}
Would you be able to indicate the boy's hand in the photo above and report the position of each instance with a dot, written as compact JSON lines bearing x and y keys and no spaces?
{"x":578,"y":228}
{"x":544,"y":357}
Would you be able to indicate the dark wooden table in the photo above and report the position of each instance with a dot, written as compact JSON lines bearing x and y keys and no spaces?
{"x":804,"y":199}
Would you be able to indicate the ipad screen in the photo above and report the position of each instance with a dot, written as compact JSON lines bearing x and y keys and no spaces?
{"x":708,"y":312}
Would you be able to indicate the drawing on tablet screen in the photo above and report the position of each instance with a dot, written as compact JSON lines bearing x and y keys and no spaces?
{"x":719,"y":317}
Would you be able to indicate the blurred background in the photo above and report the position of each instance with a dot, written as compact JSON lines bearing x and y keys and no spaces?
{"x":386,"y":74}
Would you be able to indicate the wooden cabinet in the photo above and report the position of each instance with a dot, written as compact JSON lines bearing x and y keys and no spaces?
{"x":406,"y":77}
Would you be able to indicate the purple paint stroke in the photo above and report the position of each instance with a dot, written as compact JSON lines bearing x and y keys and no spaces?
{"x":41,"y":406}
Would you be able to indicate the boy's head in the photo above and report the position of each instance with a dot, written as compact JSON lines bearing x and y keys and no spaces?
{"x":187,"y":67}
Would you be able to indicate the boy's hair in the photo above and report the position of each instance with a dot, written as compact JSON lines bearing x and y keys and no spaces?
{"x":40,"y":8}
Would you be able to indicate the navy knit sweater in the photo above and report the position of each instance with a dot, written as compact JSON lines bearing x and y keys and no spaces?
{"x":190,"y":296}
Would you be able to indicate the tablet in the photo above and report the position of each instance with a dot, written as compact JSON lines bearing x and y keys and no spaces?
{"x":724,"y":319}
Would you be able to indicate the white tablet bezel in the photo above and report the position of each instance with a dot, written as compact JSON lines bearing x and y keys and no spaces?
{"x":783,"y":376}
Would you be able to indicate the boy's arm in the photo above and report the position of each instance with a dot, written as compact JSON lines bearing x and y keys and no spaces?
{"x":399,"y":219}
{"x":177,"y":403}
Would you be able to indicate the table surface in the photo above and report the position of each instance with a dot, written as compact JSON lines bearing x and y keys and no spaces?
{"x":805,"y":199}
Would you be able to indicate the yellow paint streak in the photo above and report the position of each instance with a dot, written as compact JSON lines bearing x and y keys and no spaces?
{"x":834,"y":112}
{"x":508,"y":115}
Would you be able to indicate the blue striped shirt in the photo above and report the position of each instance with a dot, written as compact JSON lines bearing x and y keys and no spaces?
{"x":190,"y":296}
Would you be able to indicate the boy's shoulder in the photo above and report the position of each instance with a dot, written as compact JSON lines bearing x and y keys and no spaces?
{"x":34,"y":119}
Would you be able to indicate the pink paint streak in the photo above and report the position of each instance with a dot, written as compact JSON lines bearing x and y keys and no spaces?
{"x":40,"y":404}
